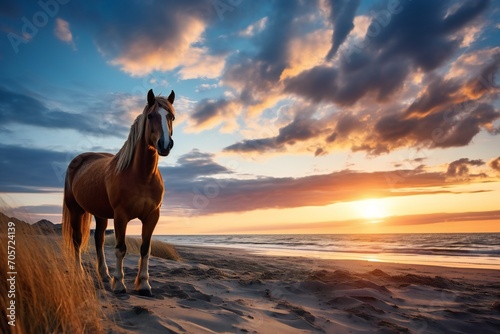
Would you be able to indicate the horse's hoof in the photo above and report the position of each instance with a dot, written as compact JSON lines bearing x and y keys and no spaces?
{"x":145,"y":293}
{"x":119,"y":292}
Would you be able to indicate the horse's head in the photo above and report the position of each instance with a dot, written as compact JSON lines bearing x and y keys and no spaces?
{"x":160,"y":115}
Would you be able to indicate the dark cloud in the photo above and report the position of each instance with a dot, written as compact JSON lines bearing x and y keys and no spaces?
{"x":22,"y":108}
{"x":36,"y":170}
{"x":394,"y":46}
{"x":448,"y":113}
{"x":345,"y":87}
{"x":435,"y":218}
{"x":317,"y":84}
{"x":486,"y":82}
{"x":342,"y":14}
{"x":208,"y":113}
{"x":32,"y":170}
{"x":391,"y":128}
{"x":191,"y":166}
{"x":256,"y":75}
{"x":368,"y":74}
{"x":438,"y":92}
{"x":300,"y":129}
{"x":495,"y":164}
{"x":426,"y":45}
{"x":449,"y":127}
{"x":253,"y":145}
{"x":460,"y":167}
{"x":212,"y":195}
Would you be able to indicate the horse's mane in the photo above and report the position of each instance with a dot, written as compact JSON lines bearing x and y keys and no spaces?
{"x":124,"y":156}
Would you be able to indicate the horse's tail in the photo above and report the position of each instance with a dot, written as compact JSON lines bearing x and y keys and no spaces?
{"x":83,"y":224}
{"x":67,"y":230}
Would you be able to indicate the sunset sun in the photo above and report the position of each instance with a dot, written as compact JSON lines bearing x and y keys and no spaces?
{"x":372,"y":209}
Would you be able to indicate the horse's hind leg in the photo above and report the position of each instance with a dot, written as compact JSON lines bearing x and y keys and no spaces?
{"x":100,"y":230}
{"x":142,"y":279}
{"x":76,"y":217}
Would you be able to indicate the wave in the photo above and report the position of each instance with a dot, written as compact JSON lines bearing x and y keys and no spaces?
{"x":451,"y":245}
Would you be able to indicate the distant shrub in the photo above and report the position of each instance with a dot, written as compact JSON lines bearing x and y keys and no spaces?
{"x":158,"y":248}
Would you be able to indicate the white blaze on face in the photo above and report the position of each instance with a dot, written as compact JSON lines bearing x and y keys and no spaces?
{"x":164,"y":125}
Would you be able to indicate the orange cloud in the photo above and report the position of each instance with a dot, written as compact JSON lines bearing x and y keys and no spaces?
{"x":63,"y":32}
{"x":145,"y":55}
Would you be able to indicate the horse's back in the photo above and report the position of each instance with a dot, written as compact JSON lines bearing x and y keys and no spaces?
{"x":86,"y":181}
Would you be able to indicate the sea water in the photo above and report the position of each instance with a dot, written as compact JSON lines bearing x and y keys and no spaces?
{"x":469,"y":250}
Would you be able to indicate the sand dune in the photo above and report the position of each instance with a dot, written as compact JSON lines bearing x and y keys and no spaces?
{"x":230,"y":291}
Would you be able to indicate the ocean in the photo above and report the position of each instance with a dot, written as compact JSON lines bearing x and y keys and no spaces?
{"x":464,"y":250}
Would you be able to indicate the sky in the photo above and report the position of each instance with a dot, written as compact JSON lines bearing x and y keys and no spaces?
{"x":319,"y":116}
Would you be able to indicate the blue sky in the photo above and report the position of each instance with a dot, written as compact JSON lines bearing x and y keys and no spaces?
{"x":287,"y":111}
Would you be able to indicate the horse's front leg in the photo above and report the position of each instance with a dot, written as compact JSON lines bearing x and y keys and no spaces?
{"x":118,"y":282}
{"x":142,"y":279}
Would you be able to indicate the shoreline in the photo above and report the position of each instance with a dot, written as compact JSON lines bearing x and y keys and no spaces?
{"x":450,"y":261}
{"x":470,"y":273}
{"x":229,"y":290}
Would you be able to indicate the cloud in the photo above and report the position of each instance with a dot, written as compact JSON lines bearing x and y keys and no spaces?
{"x":212,"y":195}
{"x":199,"y":63}
{"x":193,"y":165}
{"x":434,"y":218}
{"x":256,"y":75}
{"x":460,"y":167}
{"x":209,"y":113}
{"x":301,"y":129}
{"x":205,"y":87}
{"x":382,"y":62}
{"x":342,"y":13}
{"x":254,"y":28}
{"x":157,"y":51}
{"x":305,"y":52}
{"x":495,"y":164}
{"x":63,"y":32}
{"x":448,"y":111}
{"x":19,"y":173}
{"x":196,"y":184}
{"x":26,"y":108}
{"x":389,"y":52}
{"x":162,"y":36}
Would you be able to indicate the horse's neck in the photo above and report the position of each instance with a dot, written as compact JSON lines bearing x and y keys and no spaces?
{"x":145,"y":160}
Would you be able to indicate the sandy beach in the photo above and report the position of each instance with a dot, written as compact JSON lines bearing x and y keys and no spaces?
{"x":221,"y":290}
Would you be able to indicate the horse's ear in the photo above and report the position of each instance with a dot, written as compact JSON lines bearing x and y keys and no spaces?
{"x":151,"y":98}
{"x":171,"y":97}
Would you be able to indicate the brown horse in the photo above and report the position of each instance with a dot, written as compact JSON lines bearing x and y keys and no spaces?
{"x":125,"y":186}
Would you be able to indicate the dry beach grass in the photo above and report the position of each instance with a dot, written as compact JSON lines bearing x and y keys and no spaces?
{"x":51,"y":296}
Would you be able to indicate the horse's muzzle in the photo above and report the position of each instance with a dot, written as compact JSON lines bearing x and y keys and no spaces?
{"x":164,"y":151}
